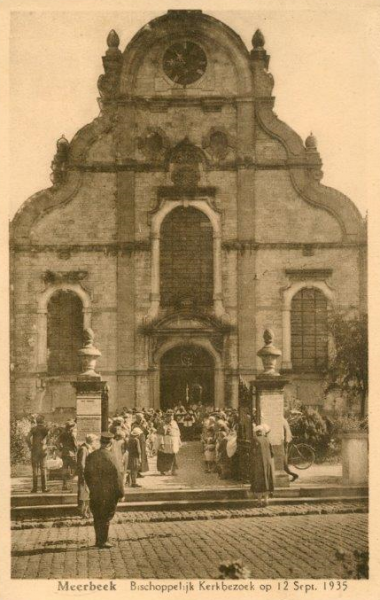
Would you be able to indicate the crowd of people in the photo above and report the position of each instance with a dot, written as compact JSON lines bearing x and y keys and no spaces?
{"x":138,"y":434}
{"x":133,"y":436}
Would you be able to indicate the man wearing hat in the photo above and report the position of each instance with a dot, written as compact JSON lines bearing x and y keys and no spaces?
{"x":67,"y":444}
{"x":36,"y":441}
{"x":105,"y":482}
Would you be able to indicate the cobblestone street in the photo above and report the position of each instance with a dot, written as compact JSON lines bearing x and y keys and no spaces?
{"x":272,"y":547}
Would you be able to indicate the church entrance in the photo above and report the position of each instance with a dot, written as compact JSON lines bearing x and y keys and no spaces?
{"x":186,"y":377}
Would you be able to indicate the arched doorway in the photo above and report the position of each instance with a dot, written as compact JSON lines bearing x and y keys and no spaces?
{"x":186,"y":376}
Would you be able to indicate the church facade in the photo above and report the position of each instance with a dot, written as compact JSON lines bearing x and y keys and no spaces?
{"x":181,"y":223}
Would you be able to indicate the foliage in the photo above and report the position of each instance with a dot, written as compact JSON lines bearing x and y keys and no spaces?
{"x":355,"y":564}
{"x":234,"y":570}
{"x":291,"y":406}
{"x":20,"y":427}
{"x":309,"y":427}
{"x":323,"y":432}
{"x":348,"y":423}
{"x":349,"y":366}
{"x":19,"y":448}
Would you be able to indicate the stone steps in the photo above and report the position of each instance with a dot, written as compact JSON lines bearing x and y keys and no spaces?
{"x":180,"y":500}
{"x":146,"y":495}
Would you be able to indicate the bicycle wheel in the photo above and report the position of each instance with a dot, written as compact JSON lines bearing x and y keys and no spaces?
{"x":301,"y":456}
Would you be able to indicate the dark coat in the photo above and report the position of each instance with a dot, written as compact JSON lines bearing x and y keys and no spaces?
{"x":83,"y":491}
{"x":67,"y":443}
{"x":134,"y":453}
{"x":105,"y":482}
{"x":261,"y":464}
{"x":37,"y":440}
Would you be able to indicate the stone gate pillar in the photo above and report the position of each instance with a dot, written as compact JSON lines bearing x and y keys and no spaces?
{"x":91,"y":392}
{"x":270,"y":404}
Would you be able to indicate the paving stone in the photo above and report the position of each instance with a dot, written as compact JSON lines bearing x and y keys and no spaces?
{"x":272,"y":547}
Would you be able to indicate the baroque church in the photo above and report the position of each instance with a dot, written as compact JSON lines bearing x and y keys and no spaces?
{"x":181,"y":223}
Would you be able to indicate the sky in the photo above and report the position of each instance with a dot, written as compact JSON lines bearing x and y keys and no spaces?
{"x":324,"y":63}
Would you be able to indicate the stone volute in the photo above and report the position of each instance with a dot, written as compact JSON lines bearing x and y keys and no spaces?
{"x":89,"y":355}
{"x":269,"y":355}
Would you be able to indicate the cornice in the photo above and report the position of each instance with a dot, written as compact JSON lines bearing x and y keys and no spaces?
{"x":157,"y":167}
{"x":122,"y":248}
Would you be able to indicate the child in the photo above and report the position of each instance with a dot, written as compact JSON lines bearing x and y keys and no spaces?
{"x":134,"y":456}
{"x":209,"y":451}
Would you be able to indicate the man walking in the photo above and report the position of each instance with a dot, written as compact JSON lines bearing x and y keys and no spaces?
{"x":287,"y":439}
{"x":105,"y":482}
{"x":36,"y":440}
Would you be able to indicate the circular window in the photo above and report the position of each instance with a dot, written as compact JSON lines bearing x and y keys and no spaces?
{"x":184,"y":62}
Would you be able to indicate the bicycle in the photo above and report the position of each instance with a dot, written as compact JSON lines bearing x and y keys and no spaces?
{"x":301,"y":456}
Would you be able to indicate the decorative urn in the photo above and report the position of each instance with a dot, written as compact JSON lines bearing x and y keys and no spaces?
{"x":89,"y":355}
{"x":269,"y":354}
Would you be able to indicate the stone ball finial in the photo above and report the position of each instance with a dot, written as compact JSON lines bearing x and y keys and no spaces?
{"x":88,"y":337}
{"x":113,"y":39}
{"x":258,"y":40}
{"x":311,"y":142}
{"x":268,"y":336}
{"x":62,"y":143}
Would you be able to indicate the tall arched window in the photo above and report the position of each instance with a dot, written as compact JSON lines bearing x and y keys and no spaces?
{"x":309,"y":330}
{"x":64,"y":332}
{"x":186,"y":259}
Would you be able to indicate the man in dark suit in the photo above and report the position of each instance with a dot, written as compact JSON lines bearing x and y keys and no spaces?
{"x":68,"y":446}
{"x":105,"y":482}
{"x":37,"y":442}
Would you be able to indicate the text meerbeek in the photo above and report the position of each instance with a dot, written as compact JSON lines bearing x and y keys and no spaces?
{"x":65,"y":586}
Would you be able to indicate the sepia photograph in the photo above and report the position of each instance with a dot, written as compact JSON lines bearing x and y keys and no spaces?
{"x":188,"y":294}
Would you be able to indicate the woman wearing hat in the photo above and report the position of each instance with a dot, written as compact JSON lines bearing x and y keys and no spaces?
{"x":168,"y":444}
{"x":261,"y":464}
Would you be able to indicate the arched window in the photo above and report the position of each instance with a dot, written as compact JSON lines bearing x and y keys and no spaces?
{"x":186,"y":259}
{"x":64,"y":332}
{"x":309,"y":332}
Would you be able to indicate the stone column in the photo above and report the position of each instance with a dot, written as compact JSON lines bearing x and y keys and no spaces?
{"x":91,"y":392}
{"x":286,"y":338}
{"x":155,"y":282}
{"x":217,"y":256}
{"x":270,"y":404}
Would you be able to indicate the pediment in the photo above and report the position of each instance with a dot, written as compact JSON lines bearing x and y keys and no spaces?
{"x":186,"y":323}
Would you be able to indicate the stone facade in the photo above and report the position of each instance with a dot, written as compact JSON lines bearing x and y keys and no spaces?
{"x":215,"y":145}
